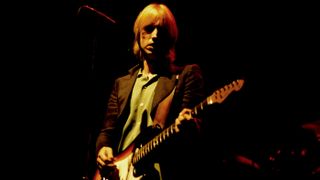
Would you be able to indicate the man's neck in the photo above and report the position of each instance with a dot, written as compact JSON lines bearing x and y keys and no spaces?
{"x":147,"y":68}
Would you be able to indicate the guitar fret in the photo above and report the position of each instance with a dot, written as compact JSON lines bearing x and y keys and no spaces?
{"x":195,"y":110}
{"x":136,"y":157}
{"x":157,"y":142}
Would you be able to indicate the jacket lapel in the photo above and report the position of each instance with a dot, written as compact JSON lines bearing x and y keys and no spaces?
{"x":125,"y":87}
{"x":164,"y":88}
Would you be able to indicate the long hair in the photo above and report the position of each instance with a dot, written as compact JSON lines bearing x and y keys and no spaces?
{"x":154,"y":12}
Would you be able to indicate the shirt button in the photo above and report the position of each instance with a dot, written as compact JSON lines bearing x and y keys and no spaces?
{"x":141,"y":104}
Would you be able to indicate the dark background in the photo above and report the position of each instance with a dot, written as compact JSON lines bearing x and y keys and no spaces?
{"x":64,"y":60}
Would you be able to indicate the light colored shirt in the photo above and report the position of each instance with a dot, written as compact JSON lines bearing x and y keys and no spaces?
{"x":140,"y":108}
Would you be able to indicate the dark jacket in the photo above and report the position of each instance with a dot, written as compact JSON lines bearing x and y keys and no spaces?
{"x":188,"y":93}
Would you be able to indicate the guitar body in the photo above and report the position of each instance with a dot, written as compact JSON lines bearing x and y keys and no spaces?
{"x":124,"y":168}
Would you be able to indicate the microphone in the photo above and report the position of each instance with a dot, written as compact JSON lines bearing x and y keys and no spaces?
{"x":96,"y":11}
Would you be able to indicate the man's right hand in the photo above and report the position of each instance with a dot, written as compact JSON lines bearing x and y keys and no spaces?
{"x":105,"y":157}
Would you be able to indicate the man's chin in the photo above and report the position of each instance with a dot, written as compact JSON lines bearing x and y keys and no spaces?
{"x":150,"y":55}
{"x":149,"y":51}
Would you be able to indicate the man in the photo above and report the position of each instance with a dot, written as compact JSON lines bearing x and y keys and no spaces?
{"x":155,"y":95}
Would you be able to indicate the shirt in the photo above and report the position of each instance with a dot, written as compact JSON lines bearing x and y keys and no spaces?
{"x":140,"y":108}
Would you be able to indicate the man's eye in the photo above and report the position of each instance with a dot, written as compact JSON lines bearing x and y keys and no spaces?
{"x":149,"y":29}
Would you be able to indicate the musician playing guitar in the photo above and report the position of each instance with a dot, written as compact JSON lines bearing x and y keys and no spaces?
{"x":155,"y":96}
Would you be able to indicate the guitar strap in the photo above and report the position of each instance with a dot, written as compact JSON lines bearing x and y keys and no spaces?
{"x":163,"y":108}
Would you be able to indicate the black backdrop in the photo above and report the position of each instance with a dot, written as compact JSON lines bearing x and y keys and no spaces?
{"x":75,"y":54}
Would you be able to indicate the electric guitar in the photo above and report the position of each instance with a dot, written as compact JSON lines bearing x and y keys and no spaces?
{"x":128,"y":164}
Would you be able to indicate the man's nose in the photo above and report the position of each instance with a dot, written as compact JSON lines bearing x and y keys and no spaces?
{"x":154,"y":33}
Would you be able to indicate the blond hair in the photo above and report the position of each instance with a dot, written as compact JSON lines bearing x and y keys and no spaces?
{"x":160,"y":12}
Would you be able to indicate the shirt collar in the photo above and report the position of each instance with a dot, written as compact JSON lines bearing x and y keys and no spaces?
{"x":145,"y":77}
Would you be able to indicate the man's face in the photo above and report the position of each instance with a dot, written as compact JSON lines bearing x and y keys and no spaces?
{"x":149,"y":39}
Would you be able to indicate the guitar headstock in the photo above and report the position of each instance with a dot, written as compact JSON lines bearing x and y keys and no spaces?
{"x":221,"y":94}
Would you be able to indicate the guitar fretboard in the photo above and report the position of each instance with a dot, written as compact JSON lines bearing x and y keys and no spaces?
{"x":154,"y":143}
{"x":198,"y":108}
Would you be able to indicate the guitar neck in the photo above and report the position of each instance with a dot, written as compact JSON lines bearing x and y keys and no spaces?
{"x":217,"y":96}
{"x":154,"y":143}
